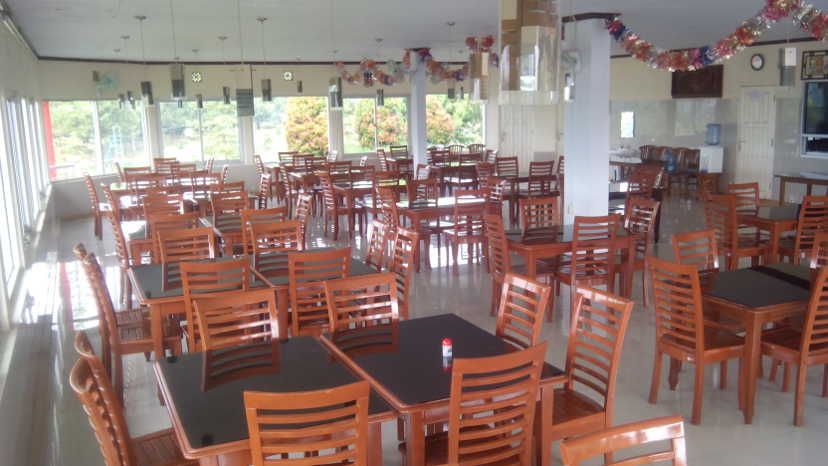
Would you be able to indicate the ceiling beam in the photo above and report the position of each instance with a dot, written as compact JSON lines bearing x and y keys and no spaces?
{"x":7,"y":18}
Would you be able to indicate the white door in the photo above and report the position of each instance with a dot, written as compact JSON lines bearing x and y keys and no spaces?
{"x":757,"y":117}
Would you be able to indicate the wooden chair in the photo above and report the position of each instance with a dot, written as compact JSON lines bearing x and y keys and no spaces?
{"x":377,"y":245}
{"x":207,"y":280}
{"x":813,"y":219}
{"x":302,"y":214}
{"x":541,"y":180}
{"x":92,"y":385}
{"x":592,"y":258}
{"x":402,"y":264}
{"x":468,"y":224}
{"x":286,"y":157}
{"x":251,"y":216}
{"x":506,"y":168}
{"x":265,"y":188}
{"x":398,"y":151}
{"x":307,"y":272}
{"x":683,"y":334}
{"x":608,"y":441}
{"x":330,"y":426}
{"x":237,"y":319}
{"x":124,"y":332}
{"x":97,"y":206}
{"x":360,"y":302}
{"x":491,"y":411}
{"x":747,"y":197}
{"x":335,"y":207}
{"x":721,"y":216}
{"x":640,"y":219}
{"x":268,"y":240}
{"x":819,"y":255}
{"x":383,"y":160}
{"x":165,"y":222}
{"x":593,"y":355}
{"x":167,"y":203}
{"x":124,"y":258}
{"x":185,"y":245}
{"x":698,"y":248}
{"x":539,"y":214}
{"x":520,"y":313}
{"x":806,"y":347}
{"x":477,"y":148}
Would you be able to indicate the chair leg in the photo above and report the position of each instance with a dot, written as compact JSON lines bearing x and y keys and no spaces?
{"x":672,"y":378}
{"x":799,"y":397}
{"x":496,"y":304}
{"x":698,"y":392}
{"x":723,"y":375}
{"x":98,"y":226}
{"x":455,"y":249}
{"x":119,"y":376}
{"x":656,"y":380}
{"x":825,"y":381}
{"x":786,"y":377}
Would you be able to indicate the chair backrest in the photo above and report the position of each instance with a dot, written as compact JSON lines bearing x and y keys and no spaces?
{"x":484,"y":170}
{"x":364,"y":301}
{"x":506,"y":167}
{"x":210,"y":279}
{"x":225,"y":172}
{"x":184,"y":245}
{"x":500,"y":262}
{"x":640,"y":218}
{"x":593,"y":249}
{"x":492,"y":407}
{"x":93,"y":193}
{"x":546,"y":168}
{"x":377,"y":245}
{"x":121,"y":246}
{"x":302,"y":214}
{"x":468,"y":217}
{"x":169,"y":204}
{"x":402,"y":264}
{"x":813,"y":219}
{"x":697,"y":248}
{"x":286,"y":157}
{"x":236,"y":319}
{"x":251,"y":216}
{"x":455,"y":149}
{"x":477,"y":148}
{"x":388,"y":207}
{"x":328,"y":194}
{"x":596,"y":337}
{"x":520,"y":315}
{"x":257,"y":160}
{"x":103,"y":300}
{"x":424,"y":190}
{"x":165,"y":222}
{"x":209,"y":165}
{"x":747,"y":197}
{"x":576,"y":450}
{"x":383,"y":161}
{"x":720,"y":216}
{"x":559,"y":170}
{"x":265,"y":180}
{"x":228,"y":202}
{"x":678,"y":304}
{"x":819,"y":253}
{"x":91,"y":384}
{"x":539,"y":214}
{"x":363,"y":161}
{"x":815,"y":328}
{"x":331,"y":424}
{"x":398,"y":150}
{"x":307,"y":272}
{"x":274,"y":237}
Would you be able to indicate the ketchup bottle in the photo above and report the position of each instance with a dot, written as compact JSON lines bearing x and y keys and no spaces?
{"x":447,"y":354}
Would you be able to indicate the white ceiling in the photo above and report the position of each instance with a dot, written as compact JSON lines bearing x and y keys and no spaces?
{"x":311,"y":29}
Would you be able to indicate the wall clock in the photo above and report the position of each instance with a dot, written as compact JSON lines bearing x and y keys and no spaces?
{"x":287,"y":76}
{"x":196,"y":76}
{"x":757,"y":61}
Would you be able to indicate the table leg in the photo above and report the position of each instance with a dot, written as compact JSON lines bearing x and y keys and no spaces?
{"x":774,"y":250}
{"x":630,"y":269}
{"x":375,"y":444}
{"x":282,"y":311}
{"x":415,"y":440}
{"x":531,"y":266}
{"x":543,"y":440}
{"x":752,"y":359}
{"x":782,"y":183}
{"x":236,"y":458}
{"x":157,"y":331}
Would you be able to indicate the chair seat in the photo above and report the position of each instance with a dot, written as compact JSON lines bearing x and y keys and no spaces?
{"x":159,"y":449}
{"x":715,"y":339}
{"x":570,"y":405}
{"x":436,"y":450}
{"x":787,"y":339}
{"x":464,"y":233}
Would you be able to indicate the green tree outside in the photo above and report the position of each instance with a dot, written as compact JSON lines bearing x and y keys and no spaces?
{"x":306,"y":129}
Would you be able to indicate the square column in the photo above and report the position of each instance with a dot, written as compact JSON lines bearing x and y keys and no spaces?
{"x":418,"y":142}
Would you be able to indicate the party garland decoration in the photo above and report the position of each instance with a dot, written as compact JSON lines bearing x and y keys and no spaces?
{"x":369,"y":71}
{"x":807,"y":17}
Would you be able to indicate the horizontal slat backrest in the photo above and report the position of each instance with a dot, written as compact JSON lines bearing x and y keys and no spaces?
{"x":523,"y":303}
{"x":500,"y":262}
{"x":235,"y":319}
{"x":275,"y":237}
{"x":330,"y":424}
{"x":698,"y":248}
{"x":747,"y":197}
{"x":377,"y":245}
{"x":492,"y":408}
{"x":813,"y":219}
{"x":720,"y":216}
{"x":640,"y":217}
{"x":819,"y":255}
{"x":364,"y":301}
{"x":402,"y":265}
{"x":815,"y":330}
{"x":189,"y":244}
{"x":539,"y":214}
{"x":307,"y":272}
{"x":677,"y":302}
{"x":251,"y":216}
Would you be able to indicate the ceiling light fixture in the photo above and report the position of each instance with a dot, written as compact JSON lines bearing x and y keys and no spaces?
{"x":267,"y":94}
{"x":225,"y":90}
{"x":176,"y":69}
{"x":244,"y":97}
{"x":146,"y":86}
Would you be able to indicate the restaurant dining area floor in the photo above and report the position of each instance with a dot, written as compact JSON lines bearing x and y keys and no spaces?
{"x":58,"y":290}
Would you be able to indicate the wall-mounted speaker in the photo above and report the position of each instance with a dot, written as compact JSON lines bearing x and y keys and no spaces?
{"x":267,"y":93}
{"x":226,"y":92}
{"x":177,"y":76}
{"x":146,"y":91}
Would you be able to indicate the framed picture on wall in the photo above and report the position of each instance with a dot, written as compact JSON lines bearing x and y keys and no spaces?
{"x":706,"y":82}
{"x":815,"y":65}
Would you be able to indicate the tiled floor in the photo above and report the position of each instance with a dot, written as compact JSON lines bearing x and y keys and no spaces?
{"x":56,"y":283}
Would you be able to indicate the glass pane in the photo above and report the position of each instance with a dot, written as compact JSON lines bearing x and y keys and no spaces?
{"x":220,"y":130}
{"x":358,"y":125}
{"x":306,"y":127}
{"x":122,"y":138}
{"x":269,"y":136}
{"x":627,"y":124}
{"x":181,"y":131}
{"x":73,"y":136}
{"x":393,"y":122}
{"x":453,"y":121}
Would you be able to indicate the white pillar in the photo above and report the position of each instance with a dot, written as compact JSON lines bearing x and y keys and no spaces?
{"x":246,"y":149}
{"x":153,"y":142}
{"x":586,"y":121}
{"x":336,"y":133}
{"x":417,"y":116}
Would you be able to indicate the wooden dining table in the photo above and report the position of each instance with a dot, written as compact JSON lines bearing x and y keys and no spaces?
{"x":552,"y":243}
{"x":411,"y":375}
{"x":775,"y":220}
{"x":425,"y":210}
{"x":207,"y":409}
{"x":755,"y":297}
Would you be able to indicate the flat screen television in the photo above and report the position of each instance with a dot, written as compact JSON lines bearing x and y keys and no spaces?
{"x":815,"y":108}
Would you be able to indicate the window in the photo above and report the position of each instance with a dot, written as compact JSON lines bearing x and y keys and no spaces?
{"x":191,"y":134}
{"x":627,"y":124}
{"x":10,"y":251}
{"x":359,"y":124}
{"x":449,"y":121}
{"x":290,"y":124}
{"x":89,"y":137}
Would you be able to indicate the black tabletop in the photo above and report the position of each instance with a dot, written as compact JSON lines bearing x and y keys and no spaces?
{"x":778,"y":212}
{"x":762,"y":286}
{"x":441,"y":202}
{"x":226,"y":223}
{"x":560,"y":234}
{"x":358,"y":268}
{"x":412,"y":368}
{"x":211,"y":407}
{"x":164,"y":280}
